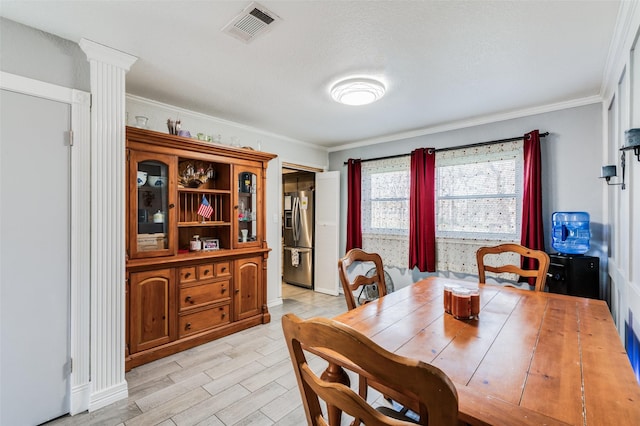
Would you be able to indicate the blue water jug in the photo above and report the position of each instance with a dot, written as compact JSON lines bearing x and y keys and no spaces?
{"x":570,"y":234}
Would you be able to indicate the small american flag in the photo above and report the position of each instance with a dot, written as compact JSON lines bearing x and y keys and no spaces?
{"x":205,"y":210}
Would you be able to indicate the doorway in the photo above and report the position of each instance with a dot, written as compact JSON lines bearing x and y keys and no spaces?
{"x":325,"y":186}
{"x":298,"y":227}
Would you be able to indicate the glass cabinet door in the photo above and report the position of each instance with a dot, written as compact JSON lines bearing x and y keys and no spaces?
{"x":248,"y":191}
{"x":151,"y":233}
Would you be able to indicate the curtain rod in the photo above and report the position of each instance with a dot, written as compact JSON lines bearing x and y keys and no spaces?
{"x":472,"y":145}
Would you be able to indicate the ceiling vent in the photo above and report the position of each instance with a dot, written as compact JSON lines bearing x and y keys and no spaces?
{"x":254,"y":20}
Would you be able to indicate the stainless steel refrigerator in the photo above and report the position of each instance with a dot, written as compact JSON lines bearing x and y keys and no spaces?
{"x":298,"y":238}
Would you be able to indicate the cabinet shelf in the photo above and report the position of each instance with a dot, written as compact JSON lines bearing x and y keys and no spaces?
{"x":203,"y":191}
{"x":202,"y":224}
{"x":189,"y":201}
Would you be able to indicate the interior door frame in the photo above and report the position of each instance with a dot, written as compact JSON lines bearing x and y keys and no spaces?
{"x":326,"y":220}
{"x":80,"y":103}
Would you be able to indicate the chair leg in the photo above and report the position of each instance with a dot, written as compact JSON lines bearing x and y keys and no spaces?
{"x":335,"y":373}
{"x":362,"y":391}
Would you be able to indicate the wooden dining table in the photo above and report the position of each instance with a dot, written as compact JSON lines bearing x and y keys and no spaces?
{"x":529,"y":358}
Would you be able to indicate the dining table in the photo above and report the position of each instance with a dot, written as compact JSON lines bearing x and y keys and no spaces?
{"x":528,"y":358}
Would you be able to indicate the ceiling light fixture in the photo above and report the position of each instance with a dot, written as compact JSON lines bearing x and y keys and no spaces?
{"x":357,"y":91}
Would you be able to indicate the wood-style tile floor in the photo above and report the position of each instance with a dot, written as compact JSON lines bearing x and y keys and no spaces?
{"x":243,"y":379}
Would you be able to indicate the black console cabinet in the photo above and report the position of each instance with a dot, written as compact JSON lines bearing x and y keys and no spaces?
{"x":575,"y":275}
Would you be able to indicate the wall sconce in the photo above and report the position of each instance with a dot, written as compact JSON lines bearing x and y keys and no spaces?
{"x":610,"y":171}
{"x":632,"y":137}
{"x":632,"y":141}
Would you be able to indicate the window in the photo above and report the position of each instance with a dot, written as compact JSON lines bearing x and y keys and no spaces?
{"x":385,"y":209}
{"x":478,"y":202}
{"x":479,"y":195}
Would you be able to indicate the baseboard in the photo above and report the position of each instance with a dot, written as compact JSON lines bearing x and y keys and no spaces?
{"x":79,"y":401}
{"x":109,"y":396}
{"x":274,"y":302}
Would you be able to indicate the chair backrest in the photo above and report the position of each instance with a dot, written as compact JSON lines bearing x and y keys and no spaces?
{"x":358,"y":255}
{"x":539,"y":274}
{"x":428,"y":385}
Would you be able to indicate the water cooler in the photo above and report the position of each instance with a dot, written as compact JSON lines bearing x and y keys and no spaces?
{"x":571,"y":271}
{"x":575,"y":275}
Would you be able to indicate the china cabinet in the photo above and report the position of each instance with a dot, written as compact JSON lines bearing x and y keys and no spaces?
{"x":195,"y":243}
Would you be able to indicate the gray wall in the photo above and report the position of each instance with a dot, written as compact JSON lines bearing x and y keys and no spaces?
{"x":41,"y":56}
{"x":571,"y":162}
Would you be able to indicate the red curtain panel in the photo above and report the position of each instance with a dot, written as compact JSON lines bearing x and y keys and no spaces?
{"x":422,"y":221}
{"x":354,"y":212}
{"x":532,"y":228}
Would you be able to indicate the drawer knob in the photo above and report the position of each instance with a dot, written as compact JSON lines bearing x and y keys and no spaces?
{"x":237,"y":290}
{"x":188,"y":299}
{"x":187,"y":275}
{"x":223,"y":289}
{"x":187,"y":326}
{"x":224,"y":269}
{"x":206,"y":272}
{"x":224,"y":314}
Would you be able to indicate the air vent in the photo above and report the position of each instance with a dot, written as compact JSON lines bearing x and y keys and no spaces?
{"x":254,"y":20}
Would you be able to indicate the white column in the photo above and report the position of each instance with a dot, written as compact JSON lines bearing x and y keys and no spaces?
{"x":108,"y":68}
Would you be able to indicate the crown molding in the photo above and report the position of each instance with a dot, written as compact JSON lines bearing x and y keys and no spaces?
{"x":478,"y":121}
{"x":158,"y":104}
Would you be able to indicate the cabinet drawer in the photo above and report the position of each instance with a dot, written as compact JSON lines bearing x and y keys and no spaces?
{"x":223,"y":269}
{"x":205,"y":271}
{"x":202,"y":320}
{"x":188,"y":274}
{"x":192,"y":297}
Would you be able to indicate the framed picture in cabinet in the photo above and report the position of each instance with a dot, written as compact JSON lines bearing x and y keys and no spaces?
{"x":210,"y":244}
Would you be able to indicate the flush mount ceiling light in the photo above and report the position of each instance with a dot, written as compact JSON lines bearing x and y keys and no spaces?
{"x":357,"y":91}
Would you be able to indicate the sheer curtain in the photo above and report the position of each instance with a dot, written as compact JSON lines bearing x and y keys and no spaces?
{"x":422,"y":224}
{"x":354,"y":218}
{"x":476,"y":189}
{"x":385,"y":209}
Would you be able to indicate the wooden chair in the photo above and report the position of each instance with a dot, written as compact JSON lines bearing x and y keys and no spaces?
{"x":434,"y":392}
{"x":539,"y":274}
{"x":358,"y":255}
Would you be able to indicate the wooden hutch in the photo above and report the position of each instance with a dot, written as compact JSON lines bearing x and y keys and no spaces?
{"x":183,"y":291}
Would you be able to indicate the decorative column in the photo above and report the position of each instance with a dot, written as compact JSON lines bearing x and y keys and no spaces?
{"x":108,"y":68}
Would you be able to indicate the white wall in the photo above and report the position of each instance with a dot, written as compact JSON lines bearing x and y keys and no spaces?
{"x":621,"y":207}
{"x":288,"y":150}
{"x":571,"y":164}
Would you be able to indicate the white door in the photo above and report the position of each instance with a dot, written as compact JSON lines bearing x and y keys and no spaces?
{"x":34,"y":259}
{"x":327,"y":229}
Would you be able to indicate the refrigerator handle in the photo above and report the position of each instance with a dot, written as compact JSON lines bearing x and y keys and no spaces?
{"x":296,"y":219}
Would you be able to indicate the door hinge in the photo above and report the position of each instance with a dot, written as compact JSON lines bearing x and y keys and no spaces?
{"x":67,"y":368}
{"x":70,"y":137}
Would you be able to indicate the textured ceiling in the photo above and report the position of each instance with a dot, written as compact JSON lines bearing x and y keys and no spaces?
{"x":442,"y":61}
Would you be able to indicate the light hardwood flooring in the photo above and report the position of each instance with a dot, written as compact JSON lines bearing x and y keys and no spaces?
{"x":243,"y":379}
